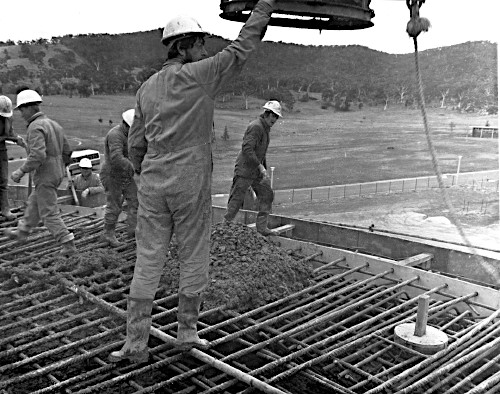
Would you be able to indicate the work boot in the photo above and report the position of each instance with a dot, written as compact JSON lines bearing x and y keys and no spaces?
{"x":261,"y":224}
{"x":68,"y":248}
{"x":7,"y":214}
{"x":187,"y":318}
{"x":109,"y":236}
{"x":15,"y":233}
{"x":139,"y":322}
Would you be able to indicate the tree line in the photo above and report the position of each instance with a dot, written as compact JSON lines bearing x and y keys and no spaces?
{"x":463,"y":77}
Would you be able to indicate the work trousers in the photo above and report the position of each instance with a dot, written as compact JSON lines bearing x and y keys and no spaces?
{"x":4,"y":180}
{"x":262,"y":189}
{"x":42,"y":205}
{"x":177,"y":203}
{"x":116,"y":193}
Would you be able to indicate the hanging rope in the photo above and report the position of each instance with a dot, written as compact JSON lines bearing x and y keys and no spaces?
{"x":414,"y":27}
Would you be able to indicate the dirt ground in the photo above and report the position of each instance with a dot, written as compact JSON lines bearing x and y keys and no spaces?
{"x":423,"y":214}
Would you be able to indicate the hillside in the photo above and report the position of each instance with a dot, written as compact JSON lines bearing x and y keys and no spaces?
{"x":463,"y":76}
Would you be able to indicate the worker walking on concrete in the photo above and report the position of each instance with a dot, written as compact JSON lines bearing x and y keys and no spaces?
{"x":87,"y":182}
{"x":251,"y":170}
{"x":6,"y":134}
{"x":48,"y":153}
{"x":117,"y":176}
{"x":170,"y":147}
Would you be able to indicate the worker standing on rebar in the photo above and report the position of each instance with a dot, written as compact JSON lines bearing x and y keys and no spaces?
{"x":6,"y":134}
{"x":48,"y":153}
{"x":170,"y":147}
{"x":117,"y":176}
{"x":88,"y":183}
{"x":251,"y":170}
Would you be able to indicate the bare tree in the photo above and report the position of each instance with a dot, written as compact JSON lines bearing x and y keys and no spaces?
{"x":443,"y":96}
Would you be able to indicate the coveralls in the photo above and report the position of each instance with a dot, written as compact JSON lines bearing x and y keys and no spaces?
{"x":170,"y":146}
{"x":48,"y":153}
{"x":246,"y":172}
{"x":117,"y":176}
{"x":93,"y":183}
{"x":5,"y":131}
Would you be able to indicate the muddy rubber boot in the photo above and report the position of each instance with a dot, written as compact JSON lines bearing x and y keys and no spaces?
{"x":187,"y":318}
{"x":7,"y":214}
{"x":261,"y":224}
{"x":109,"y":236}
{"x":15,"y":233}
{"x":139,"y":322}
{"x":68,"y":248}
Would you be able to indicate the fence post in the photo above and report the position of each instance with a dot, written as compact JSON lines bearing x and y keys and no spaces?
{"x":416,"y":182}
{"x":403,"y":189}
{"x":311,"y":194}
{"x":293,"y":193}
{"x":428,"y":182}
{"x":360,"y":190}
{"x":376,"y":187}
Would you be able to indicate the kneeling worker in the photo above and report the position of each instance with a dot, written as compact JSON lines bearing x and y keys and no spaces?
{"x":87,"y":182}
{"x":250,"y":169}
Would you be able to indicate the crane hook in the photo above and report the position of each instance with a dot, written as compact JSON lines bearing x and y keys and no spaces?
{"x":416,"y":25}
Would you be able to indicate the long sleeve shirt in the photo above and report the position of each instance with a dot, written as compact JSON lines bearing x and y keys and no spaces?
{"x":93,"y":183}
{"x":48,"y":150}
{"x":6,"y":131}
{"x":253,"y":149}
{"x":116,"y":164}
{"x":175,"y":107}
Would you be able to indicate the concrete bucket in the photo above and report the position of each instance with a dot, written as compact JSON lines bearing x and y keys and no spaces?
{"x":307,"y":14}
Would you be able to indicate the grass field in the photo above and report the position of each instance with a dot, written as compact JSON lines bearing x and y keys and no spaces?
{"x":312,"y":147}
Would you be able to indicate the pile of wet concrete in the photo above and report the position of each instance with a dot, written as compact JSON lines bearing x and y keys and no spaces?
{"x":247,"y":270}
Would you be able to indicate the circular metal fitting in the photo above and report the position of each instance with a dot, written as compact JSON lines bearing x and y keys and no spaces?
{"x":307,"y":14}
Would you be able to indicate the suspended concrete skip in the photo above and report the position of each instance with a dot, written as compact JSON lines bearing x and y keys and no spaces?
{"x":307,"y":14}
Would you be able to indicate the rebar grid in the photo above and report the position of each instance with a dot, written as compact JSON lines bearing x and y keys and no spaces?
{"x":335,"y":335}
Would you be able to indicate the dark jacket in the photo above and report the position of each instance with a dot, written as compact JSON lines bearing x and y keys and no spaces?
{"x":253,"y":150}
{"x":5,"y":131}
{"x":116,"y":164}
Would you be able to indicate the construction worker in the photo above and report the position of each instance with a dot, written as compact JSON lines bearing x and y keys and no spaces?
{"x":6,"y":134}
{"x":48,"y":153}
{"x":170,"y":147}
{"x":117,"y":176}
{"x":251,"y":171}
{"x":87,"y":182}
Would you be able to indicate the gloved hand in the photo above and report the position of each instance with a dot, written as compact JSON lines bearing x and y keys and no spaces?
{"x":20,"y":141}
{"x":85,"y":193}
{"x":17,"y":175}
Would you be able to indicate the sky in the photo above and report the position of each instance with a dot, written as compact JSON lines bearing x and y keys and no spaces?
{"x":452,"y":22}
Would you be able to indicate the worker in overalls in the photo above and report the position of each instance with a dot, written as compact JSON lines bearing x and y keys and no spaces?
{"x":6,"y":134}
{"x":88,"y":183}
{"x":48,"y":154}
{"x":251,"y":170}
{"x":170,"y":147}
{"x":117,"y":177}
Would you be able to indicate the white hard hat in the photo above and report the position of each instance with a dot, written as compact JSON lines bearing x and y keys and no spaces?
{"x":273,"y":106}
{"x":27,"y":97}
{"x":85,"y":163}
{"x":179,"y":26}
{"x":5,"y":107}
{"x":128,"y":117}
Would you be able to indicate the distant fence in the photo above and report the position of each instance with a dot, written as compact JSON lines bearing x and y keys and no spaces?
{"x":484,"y":132}
{"x":486,"y":181}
